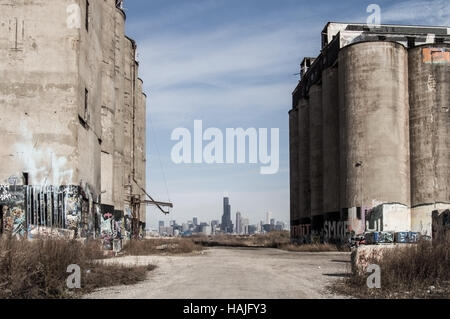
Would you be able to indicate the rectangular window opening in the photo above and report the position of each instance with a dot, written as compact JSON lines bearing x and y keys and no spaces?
{"x":87,"y":15}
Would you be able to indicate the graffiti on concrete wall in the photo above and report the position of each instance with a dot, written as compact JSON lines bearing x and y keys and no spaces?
{"x":374,"y":219}
{"x":106,"y":228}
{"x":12,"y":209}
{"x":28,"y":209}
{"x":73,"y":211}
{"x":301,"y":231}
{"x":337,"y":230}
{"x":5,"y":195}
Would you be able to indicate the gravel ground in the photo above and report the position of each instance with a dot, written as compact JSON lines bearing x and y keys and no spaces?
{"x":234,"y":273}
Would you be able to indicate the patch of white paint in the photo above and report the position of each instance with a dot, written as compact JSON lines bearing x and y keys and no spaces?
{"x":41,"y":162}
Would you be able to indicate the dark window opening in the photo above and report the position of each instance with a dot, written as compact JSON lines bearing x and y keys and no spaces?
{"x":25,"y":179}
{"x":84,"y":119}
{"x":358,"y":213}
{"x":87,"y":15}
{"x":439,"y":40}
{"x":86,"y":102}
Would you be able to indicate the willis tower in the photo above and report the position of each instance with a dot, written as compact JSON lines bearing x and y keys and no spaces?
{"x":227,"y":225}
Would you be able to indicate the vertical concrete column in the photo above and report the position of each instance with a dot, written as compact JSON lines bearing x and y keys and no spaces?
{"x":294,"y":171}
{"x":429,"y":92}
{"x":374,"y":126}
{"x":316,"y":156}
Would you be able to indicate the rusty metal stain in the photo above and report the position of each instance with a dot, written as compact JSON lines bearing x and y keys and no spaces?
{"x":436,"y":55}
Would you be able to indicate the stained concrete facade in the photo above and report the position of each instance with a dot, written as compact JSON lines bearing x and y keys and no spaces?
{"x":370,"y":151}
{"x":73,"y":114}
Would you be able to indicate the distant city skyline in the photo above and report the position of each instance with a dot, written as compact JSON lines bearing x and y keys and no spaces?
{"x":194,"y":226}
{"x":264,"y":217}
{"x":238,"y":60}
{"x":252,"y":216}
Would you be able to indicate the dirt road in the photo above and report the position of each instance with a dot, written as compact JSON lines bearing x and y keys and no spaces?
{"x":232,"y":273}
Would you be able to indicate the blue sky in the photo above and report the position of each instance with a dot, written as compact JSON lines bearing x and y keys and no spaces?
{"x":231,"y":64}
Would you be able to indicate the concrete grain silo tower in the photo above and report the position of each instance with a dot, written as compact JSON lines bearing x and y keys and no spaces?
{"x":294,"y":177}
{"x":373,"y":133}
{"x":331,"y":151}
{"x":374,"y":129}
{"x":429,"y":92}
{"x":304,"y":169}
{"x":316,"y":155}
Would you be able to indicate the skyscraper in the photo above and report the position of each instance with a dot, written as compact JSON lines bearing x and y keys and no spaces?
{"x":244,"y":226}
{"x":195,"y":221}
{"x":238,"y":223}
{"x":268,"y":217}
{"x":227,"y":224}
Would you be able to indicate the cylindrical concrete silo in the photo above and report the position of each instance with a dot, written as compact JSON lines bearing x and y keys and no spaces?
{"x":108,"y":106}
{"x":429,"y":85}
{"x":316,"y":156}
{"x":304,"y":166}
{"x":119,"y":66}
{"x":374,"y":126}
{"x":294,"y":173}
{"x":330,"y":102}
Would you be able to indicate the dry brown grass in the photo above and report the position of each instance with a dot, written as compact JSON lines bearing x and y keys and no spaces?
{"x":38,"y":269}
{"x":161,"y":246}
{"x":416,"y":271}
{"x":312,"y":248}
{"x":276,"y":239}
{"x":270,"y":240}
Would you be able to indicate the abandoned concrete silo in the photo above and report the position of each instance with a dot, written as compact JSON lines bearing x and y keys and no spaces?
{"x":316,"y":155}
{"x":304,"y":169}
{"x":294,"y":165}
{"x":429,"y":91}
{"x":375,"y":128}
{"x":74,"y":122}
{"x":330,"y":100}
{"x":379,"y":150}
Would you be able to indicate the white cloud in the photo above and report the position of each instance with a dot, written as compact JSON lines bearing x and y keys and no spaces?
{"x":435,"y":12}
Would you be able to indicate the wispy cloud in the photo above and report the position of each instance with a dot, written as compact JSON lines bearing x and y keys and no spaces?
{"x":220,"y":70}
{"x":435,"y":12}
{"x":207,"y":60}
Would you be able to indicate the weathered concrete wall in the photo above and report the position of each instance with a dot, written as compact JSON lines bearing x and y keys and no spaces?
{"x":316,"y":153}
{"x":71,"y":111}
{"x":304,"y":229}
{"x":38,"y":85}
{"x":139,"y":142}
{"x":421,"y":217}
{"x":386,"y":144}
{"x":429,"y":90}
{"x":374,"y":128}
{"x":118,"y":161}
{"x":330,"y":101}
{"x":294,"y":166}
{"x":108,"y":107}
{"x":389,"y":218}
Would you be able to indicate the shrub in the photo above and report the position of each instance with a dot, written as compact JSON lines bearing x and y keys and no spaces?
{"x":421,"y":270}
{"x":38,"y":269}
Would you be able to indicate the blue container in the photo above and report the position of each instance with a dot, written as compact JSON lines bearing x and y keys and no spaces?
{"x":401,"y":237}
{"x":372,"y":238}
{"x":413,"y":237}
